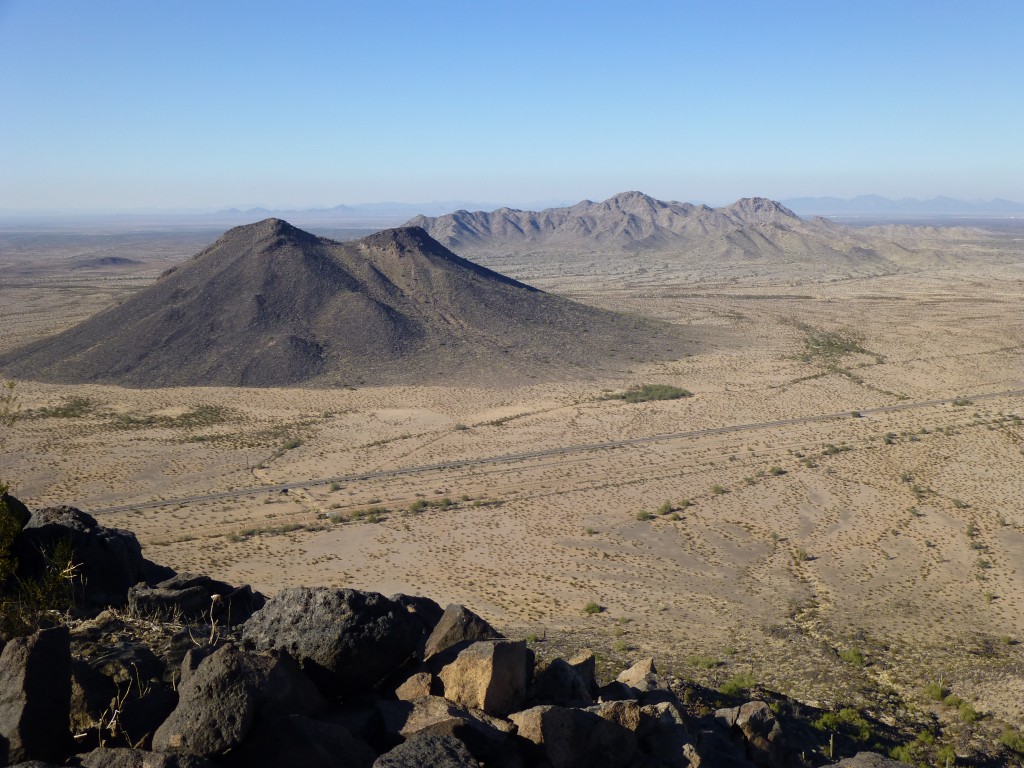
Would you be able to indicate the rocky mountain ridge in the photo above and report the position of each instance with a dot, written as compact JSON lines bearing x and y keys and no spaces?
{"x":179,"y":670}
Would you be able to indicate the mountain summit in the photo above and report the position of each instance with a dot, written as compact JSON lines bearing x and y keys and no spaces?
{"x":268,"y":304}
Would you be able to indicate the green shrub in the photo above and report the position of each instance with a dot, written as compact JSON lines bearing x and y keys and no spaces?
{"x":853,"y":656}
{"x":847,"y":721}
{"x":643,"y":514}
{"x":665,"y":508}
{"x":591,"y":608}
{"x":739,"y":683}
{"x":1012,"y":740}
{"x":718,"y":490}
{"x":936,"y":691}
{"x":418,"y":506}
{"x":968,"y":713}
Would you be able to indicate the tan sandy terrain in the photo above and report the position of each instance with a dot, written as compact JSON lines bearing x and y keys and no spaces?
{"x":898,"y":533}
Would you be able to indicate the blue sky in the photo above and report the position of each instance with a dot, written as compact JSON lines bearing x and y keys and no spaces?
{"x":133,"y":105}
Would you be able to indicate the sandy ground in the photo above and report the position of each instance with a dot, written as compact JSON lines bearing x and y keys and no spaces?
{"x":897,"y":533}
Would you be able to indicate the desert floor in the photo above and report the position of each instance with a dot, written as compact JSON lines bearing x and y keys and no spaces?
{"x":867,"y":496}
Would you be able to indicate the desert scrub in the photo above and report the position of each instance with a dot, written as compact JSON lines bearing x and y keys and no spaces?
{"x":591,"y":608}
{"x":644,"y":515}
{"x":854,"y":656}
{"x":643,"y":393}
{"x":739,"y":683}
{"x":846,"y":721}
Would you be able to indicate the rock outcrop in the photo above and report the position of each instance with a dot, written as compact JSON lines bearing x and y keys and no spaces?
{"x":336,"y":678}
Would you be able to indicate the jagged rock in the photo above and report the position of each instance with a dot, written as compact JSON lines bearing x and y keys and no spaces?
{"x":457,"y":628}
{"x":585,"y":663}
{"x":575,"y":738}
{"x":561,"y":683}
{"x":416,"y":686}
{"x":109,"y":559}
{"x":483,"y":735}
{"x":346,"y":640}
{"x":91,"y":695}
{"x":195,"y":598}
{"x":426,"y":612}
{"x":642,"y":676}
{"x":294,"y":740}
{"x":868,"y":760}
{"x":491,"y":675}
{"x":227,"y":693}
{"x":35,"y":697}
{"x":624,"y":713}
{"x":123,"y":757}
{"x":754,"y":724}
{"x":428,"y":750}
{"x":713,"y":748}
{"x":663,"y":735}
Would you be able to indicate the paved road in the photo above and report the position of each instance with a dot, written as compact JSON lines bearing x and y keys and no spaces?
{"x":546,"y":452}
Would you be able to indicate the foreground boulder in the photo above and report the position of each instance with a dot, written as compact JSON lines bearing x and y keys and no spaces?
{"x":575,"y":738}
{"x":109,"y":560}
{"x":221,"y":699}
{"x":346,"y":640}
{"x":123,"y":757}
{"x":490,"y":675}
{"x":457,"y":628}
{"x":190,"y":597}
{"x":35,"y":697}
{"x":754,"y":725}
{"x":284,"y":741}
{"x":428,"y":750}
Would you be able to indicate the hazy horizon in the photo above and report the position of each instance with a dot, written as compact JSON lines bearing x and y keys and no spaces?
{"x":118,"y":106}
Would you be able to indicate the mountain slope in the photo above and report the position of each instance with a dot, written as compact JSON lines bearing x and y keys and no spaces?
{"x":270,"y":305}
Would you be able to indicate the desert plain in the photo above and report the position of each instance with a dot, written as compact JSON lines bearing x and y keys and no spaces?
{"x":837,"y":510}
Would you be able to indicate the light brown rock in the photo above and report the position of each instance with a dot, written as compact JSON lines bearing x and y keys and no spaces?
{"x":490,"y":675}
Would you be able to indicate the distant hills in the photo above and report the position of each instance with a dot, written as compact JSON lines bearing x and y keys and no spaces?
{"x":268,"y":304}
{"x":873,"y":205}
{"x":751,"y":230}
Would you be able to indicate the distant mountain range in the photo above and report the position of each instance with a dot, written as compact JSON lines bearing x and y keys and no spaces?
{"x":271,"y":305}
{"x":874,"y":205}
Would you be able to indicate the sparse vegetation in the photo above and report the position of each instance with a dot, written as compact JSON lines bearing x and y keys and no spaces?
{"x":643,"y":393}
{"x":853,"y":656}
{"x":738,"y":684}
{"x":592,"y":608}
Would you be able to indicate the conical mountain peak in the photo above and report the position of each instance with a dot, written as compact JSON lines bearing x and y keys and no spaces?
{"x":271,"y":305}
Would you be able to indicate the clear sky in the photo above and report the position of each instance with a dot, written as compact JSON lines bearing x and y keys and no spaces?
{"x":131,"y":104}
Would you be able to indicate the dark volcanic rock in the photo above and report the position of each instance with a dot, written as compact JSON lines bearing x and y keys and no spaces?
{"x":18,"y":511}
{"x":35,"y":697}
{"x":191,"y":597}
{"x":295,"y":740}
{"x":222,"y":698}
{"x":457,"y":628}
{"x":110,"y":559}
{"x":423,"y":609}
{"x":559,"y":682}
{"x":271,"y":305}
{"x":428,"y":750}
{"x":346,"y":640}
{"x":123,"y":757}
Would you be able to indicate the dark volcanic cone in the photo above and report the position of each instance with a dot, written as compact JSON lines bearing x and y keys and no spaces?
{"x":271,"y":305}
